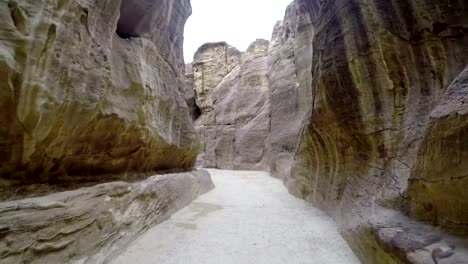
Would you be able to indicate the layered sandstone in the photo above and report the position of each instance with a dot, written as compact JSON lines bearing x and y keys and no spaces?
{"x":92,"y":225}
{"x":232,"y":92}
{"x":80,"y":102}
{"x":437,"y":186}
{"x":386,"y":129}
{"x":290,"y":78}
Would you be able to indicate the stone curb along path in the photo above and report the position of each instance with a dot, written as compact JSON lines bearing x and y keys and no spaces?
{"x":92,"y":225}
{"x":248,"y":218}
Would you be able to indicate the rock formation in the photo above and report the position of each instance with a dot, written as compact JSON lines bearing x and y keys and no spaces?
{"x":189,"y":92}
{"x":290,"y":78}
{"x":436,"y":190}
{"x":80,"y":102}
{"x":252,"y":104}
{"x":370,"y":147}
{"x":359,"y":106}
{"x":92,"y":225}
{"x":368,"y":120}
{"x":231,"y":90}
{"x":90,"y":92}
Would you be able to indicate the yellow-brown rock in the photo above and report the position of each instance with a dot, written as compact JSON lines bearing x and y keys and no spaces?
{"x":79,"y":101}
{"x":379,"y":69}
{"x":437,"y":187}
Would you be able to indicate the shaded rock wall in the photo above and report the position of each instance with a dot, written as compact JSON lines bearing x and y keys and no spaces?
{"x":232,"y":92}
{"x":379,"y":69}
{"x":92,"y":225}
{"x":189,"y":92}
{"x":437,"y":186}
{"x":290,"y":79}
{"x":79,"y":102}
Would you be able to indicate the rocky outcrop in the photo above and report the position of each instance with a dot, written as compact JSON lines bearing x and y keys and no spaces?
{"x":290,"y":78}
{"x":92,"y":225}
{"x":254,"y":124}
{"x":80,"y":102}
{"x":436,"y":191}
{"x":370,"y":143}
{"x":232,"y":93}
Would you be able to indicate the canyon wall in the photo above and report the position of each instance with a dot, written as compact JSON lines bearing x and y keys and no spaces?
{"x":252,"y":104}
{"x":290,"y":79}
{"x":231,"y":90}
{"x":368,"y":120}
{"x":385,"y":133}
{"x":92,"y":90}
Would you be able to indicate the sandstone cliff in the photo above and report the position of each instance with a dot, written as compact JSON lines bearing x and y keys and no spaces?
{"x":436,"y":188}
{"x":290,"y":78}
{"x":86,"y":94}
{"x":386,"y":129}
{"x":91,"y":91}
{"x":252,"y":104}
{"x":367,"y":120}
{"x":232,"y":92}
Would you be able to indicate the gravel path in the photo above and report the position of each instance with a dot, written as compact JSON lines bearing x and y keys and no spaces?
{"x":249,"y":218}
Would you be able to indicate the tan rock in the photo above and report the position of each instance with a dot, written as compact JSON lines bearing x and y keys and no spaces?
{"x":78,"y":101}
{"x":290,"y":78}
{"x":92,"y":225}
{"x":437,"y":187}
{"x":212,"y":62}
{"x":232,"y":92}
{"x":189,"y":92}
{"x":379,"y":69}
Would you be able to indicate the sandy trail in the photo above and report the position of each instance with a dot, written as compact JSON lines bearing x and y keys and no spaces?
{"x":249,"y":218}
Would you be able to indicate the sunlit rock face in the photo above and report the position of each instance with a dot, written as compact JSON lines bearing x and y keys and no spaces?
{"x":384,"y":130}
{"x":232,"y":92}
{"x":78,"y":102}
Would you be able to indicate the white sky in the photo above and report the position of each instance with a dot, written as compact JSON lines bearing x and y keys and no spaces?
{"x":238,"y":22}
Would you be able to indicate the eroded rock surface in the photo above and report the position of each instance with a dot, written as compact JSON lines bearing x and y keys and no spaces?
{"x":232,"y":93}
{"x":92,"y":225}
{"x":189,"y":92}
{"x":290,"y":79}
{"x":437,"y":187}
{"x":78,"y":102}
{"x":379,"y":69}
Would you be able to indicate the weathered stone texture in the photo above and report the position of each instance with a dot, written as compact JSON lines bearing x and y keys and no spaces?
{"x":92,"y":225}
{"x":379,"y":69}
{"x":232,"y":92}
{"x":290,"y":79}
{"x":78,"y":101}
{"x":437,"y":187}
{"x":189,"y":92}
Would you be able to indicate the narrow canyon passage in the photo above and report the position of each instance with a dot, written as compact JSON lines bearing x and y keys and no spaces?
{"x":248,"y":218}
